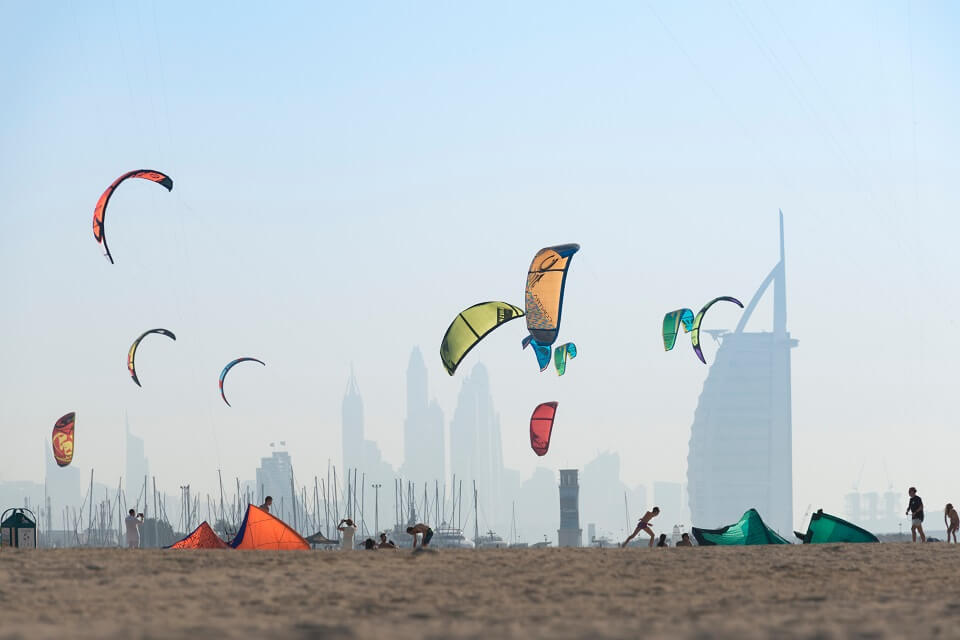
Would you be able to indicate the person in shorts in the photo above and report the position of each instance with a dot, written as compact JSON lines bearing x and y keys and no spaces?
{"x":915,"y":509}
{"x":422,"y":530}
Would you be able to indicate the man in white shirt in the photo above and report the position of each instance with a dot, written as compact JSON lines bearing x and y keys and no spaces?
{"x":347,"y":528}
{"x":133,"y":523}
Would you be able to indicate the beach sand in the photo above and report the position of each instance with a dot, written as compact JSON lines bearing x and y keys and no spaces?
{"x":822,"y":591}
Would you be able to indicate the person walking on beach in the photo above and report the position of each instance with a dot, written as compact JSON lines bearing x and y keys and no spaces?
{"x":133,"y":523}
{"x":422,"y":530}
{"x":952,"y":520}
{"x":347,"y":528}
{"x":916,"y":509}
{"x":266,"y":503}
{"x":644,"y":525}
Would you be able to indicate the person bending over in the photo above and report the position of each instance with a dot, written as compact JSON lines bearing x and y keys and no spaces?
{"x":422,"y":530}
{"x":952,"y":520}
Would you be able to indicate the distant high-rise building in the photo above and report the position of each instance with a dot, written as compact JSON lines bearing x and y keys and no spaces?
{"x":606,"y":500}
{"x":359,"y":453}
{"x":867,"y":510}
{"x":476,"y":450}
{"x":275,"y":479}
{"x":138,"y":469}
{"x":424,"y":446}
{"x":569,"y":534}
{"x":740,"y":453}
{"x":352,"y":425}
{"x":667,"y":496}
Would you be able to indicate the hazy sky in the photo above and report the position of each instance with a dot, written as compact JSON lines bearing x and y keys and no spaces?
{"x":347,"y":179}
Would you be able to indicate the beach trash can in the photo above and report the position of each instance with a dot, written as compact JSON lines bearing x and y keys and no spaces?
{"x":18,"y":528}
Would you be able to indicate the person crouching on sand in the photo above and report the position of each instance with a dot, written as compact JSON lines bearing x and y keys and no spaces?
{"x":685,"y":541}
{"x":663,"y":541}
{"x":952,"y":520}
{"x":916,"y":508}
{"x":644,"y":525}
{"x":422,"y":530}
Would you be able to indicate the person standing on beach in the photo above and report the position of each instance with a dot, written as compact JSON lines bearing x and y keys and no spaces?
{"x":133,"y":523}
{"x":266,"y":503}
{"x":347,"y":528}
{"x":952,"y":520}
{"x":422,"y":530}
{"x":644,"y":525}
{"x":916,"y":508}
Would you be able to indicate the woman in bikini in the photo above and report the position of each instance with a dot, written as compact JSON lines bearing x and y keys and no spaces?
{"x":952,"y":520}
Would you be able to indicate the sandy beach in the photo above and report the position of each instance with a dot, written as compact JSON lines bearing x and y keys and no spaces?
{"x":828,"y":591}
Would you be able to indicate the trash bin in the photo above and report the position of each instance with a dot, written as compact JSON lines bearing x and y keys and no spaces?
{"x":18,"y":528}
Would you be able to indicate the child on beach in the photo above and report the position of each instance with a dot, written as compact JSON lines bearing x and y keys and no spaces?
{"x":952,"y":520}
{"x":644,"y":525}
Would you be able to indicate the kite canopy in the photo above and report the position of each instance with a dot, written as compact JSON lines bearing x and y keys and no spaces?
{"x":100,"y":211}
{"x":695,"y":338}
{"x":63,"y":439}
{"x":203,"y":537}
{"x":671,"y":326}
{"x":544,"y":293}
{"x":750,"y":530}
{"x":542,"y":351}
{"x":226,"y":369}
{"x":470,"y":327}
{"x":560,"y":355}
{"x":262,"y":531}
{"x":825,"y":528}
{"x":132,"y":354}
{"x":541,"y":427}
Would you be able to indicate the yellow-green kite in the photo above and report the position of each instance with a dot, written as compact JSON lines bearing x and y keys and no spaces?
{"x":470,"y":327}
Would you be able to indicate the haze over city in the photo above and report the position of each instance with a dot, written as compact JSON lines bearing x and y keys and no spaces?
{"x":332,"y":215}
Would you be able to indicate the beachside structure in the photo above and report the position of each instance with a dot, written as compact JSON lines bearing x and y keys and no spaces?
{"x":741,"y":441}
{"x":569,"y":534}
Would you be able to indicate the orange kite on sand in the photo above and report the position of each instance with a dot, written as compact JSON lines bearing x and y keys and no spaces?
{"x":203,"y":537}
{"x":260,"y":530}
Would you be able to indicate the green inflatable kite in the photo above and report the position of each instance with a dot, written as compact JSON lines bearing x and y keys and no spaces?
{"x":749,"y":530}
{"x":825,"y":528}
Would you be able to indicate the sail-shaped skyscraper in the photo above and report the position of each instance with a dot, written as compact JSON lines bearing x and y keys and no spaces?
{"x":741,"y":441}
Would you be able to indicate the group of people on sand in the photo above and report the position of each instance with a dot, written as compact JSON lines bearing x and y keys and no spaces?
{"x":951,"y":519}
{"x":348,"y":528}
{"x":644,"y":525}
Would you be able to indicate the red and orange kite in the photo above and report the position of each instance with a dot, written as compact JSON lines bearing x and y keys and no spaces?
{"x":541,"y":427}
{"x":63,"y":439}
{"x":100,"y":212}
